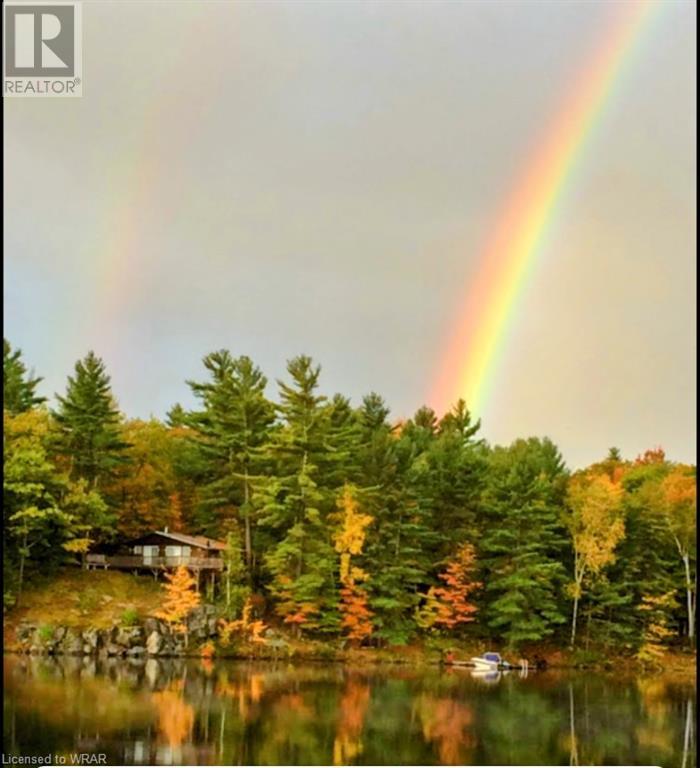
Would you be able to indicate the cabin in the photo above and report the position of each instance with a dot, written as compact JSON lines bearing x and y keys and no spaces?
{"x":162,"y":550}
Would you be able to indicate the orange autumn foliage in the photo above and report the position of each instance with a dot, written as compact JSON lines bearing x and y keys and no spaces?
{"x":449,"y":725}
{"x":180,"y":598}
{"x":652,"y":456}
{"x":449,"y":606}
{"x":347,"y":745}
{"x":175,"y":716}
{"x":245,"y":627}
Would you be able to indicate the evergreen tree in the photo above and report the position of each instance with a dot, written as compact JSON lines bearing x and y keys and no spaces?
{"x":403,"y":549}
{"x":456,"y":468}
{"x":299,"y":500}
{"x":19,"y":387}
{"x":524,"y":543}
{"x":89,"y":423}
{"x":234,"y":426}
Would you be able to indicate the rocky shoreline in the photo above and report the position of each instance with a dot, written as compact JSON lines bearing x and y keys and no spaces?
{"x":150,"y":637}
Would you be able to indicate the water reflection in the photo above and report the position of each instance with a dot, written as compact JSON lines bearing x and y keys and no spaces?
{"x":173,"y":712}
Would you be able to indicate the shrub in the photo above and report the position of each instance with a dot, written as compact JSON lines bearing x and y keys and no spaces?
{"x":45,"y":633}
{"x":130,"y":617}
{"x":584,"y":658}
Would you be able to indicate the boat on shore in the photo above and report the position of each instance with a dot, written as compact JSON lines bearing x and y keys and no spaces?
{"x":493,"y":661}
{"x":489,"y":661}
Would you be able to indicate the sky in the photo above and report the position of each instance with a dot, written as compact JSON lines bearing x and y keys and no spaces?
{"x":278,"y":178}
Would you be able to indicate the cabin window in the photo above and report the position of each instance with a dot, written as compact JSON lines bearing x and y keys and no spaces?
{"x":150,"y":550}
{"x":177,"y":551}
{"x":138,"y":549}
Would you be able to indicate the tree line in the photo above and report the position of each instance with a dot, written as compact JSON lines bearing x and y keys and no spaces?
{"x":343,"y":523}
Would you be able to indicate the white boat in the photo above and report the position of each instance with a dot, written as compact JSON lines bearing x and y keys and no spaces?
{"x":488,"y":662}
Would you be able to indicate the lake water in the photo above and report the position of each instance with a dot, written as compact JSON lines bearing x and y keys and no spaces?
{"x":198,"y":712}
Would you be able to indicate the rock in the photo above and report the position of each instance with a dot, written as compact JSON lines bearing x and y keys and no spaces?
{"x":115,"y":650}
{"x":129,"y":636}
{"x":154,"y":643}
{"x":136,"y":650}
{"x":92,"y":638}
{"x":25,"y":632}
{"x":72,"y":643}
{"x":212,"y":627}
{"x":150,"y":625}
{"x":59,"y":633}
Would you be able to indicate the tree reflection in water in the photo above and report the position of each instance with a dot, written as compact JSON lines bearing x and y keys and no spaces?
{"x":194,"y":712}
{"x":347,"y":745}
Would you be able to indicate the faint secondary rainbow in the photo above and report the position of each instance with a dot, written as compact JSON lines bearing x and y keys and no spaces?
{"x":480,"y":333}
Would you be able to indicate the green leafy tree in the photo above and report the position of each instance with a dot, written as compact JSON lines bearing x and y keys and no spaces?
{"x":45,"y":514}
{"x":146,"y":488}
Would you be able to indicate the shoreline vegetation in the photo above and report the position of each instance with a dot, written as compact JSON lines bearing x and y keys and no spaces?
{"x":341,"y":533}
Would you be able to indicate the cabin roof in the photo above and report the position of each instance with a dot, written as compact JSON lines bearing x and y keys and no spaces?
{"x":202,"y":542}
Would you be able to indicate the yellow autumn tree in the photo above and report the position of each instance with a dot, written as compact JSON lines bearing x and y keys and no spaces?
{"x":595,"y":521}
{"x":655,"y":610}
{"x":679,"y":507}
{"x":246,"y":627}
{"x":349,"y":541}
{"x":181,"y":597}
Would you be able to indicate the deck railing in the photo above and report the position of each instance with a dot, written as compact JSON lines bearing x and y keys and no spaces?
{"x":128,"y":562}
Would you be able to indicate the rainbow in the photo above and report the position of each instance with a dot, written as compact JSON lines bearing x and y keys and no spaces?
{"x":481,"y":332}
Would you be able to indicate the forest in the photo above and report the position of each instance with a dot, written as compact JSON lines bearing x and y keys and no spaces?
{"x":342,"y":523}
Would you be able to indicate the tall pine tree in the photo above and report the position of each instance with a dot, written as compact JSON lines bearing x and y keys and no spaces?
{"x":523,"y":545}
{"x":301,"y":558}
{"x":89,"y":423}
{"x":234,"y":425}
{"x":19,"y":386}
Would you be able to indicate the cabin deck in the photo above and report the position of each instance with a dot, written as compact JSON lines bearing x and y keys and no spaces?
{"x":150,"y":563}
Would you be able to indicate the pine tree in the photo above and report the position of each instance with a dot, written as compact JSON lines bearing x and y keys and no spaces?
{"x":234,"y":425}
{"x":298,"y":503}
{"x":524,"y":542}
{"x":454,"y":479}
{"x":89,"y":423}
{"x":405,"y":545}
{"x":19,"y":387}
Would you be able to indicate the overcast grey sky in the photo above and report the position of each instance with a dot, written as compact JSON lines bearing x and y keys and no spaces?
{"x":286,"y":177}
